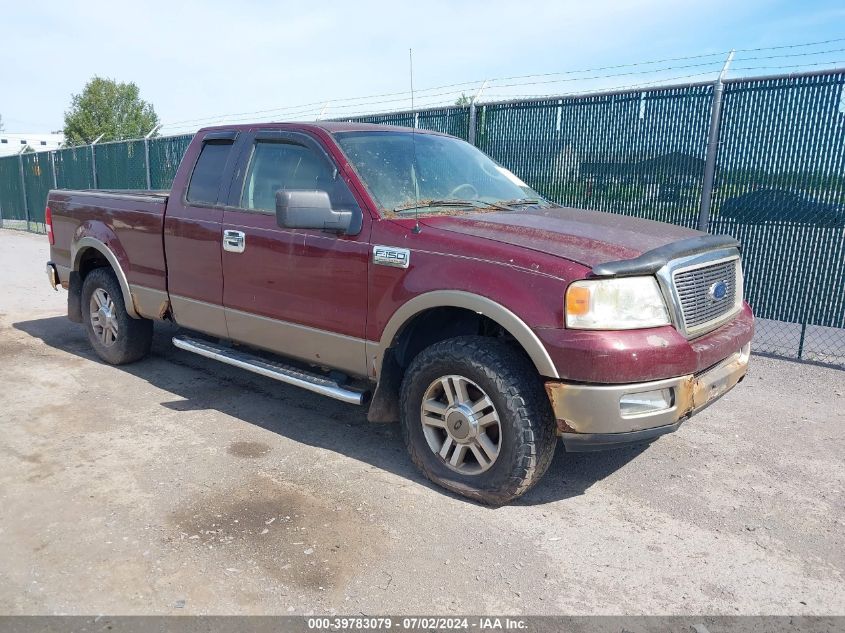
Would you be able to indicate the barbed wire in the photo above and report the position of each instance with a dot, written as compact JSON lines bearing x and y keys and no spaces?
{"x":346,"y":103}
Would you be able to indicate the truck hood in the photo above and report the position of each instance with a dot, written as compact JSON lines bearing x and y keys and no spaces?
{"x":586,"y":237}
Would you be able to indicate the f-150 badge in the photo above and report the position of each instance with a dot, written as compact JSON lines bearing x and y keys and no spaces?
{"x":390,"y":256}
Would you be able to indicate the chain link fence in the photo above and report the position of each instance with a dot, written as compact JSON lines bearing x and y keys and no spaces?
{"x":778,"y":185}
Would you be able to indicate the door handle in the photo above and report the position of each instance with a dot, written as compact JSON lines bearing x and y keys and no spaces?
{"x":234,"y":241}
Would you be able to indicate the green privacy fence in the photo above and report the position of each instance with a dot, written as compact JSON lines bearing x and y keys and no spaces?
{"x":165,"y":155}
{"x":454,"y":120}
{"x":776,"y":178}
{"x":74,"y":168}
{"x":26,"y":179}
{"x":37,"y":182}
{"x":12,"y":199}
{"x":631,"y":153}
{"x":121,"y":165}
{"x":780,"y":189}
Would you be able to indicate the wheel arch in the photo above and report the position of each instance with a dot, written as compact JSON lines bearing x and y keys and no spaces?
{"x":79,"y":251}
{"x":388,"y":360}
{"x":496,"y":312}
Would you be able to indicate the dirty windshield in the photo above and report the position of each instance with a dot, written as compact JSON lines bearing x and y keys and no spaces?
{"x":428,"y":174}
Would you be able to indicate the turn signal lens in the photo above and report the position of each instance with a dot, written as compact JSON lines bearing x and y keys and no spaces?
{"x":577,"y":300}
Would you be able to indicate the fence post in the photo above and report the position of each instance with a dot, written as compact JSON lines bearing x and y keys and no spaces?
{"x":53,"y":167}
{"x":23,"y":189}
{"x":94,"y":159}
{"x":712,"y":148}
{"x":473,"y":114}
{"x":147,"y":153}
{"x":147,"y":161}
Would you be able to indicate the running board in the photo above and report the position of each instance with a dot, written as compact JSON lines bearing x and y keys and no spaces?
{"x":278,"y":371}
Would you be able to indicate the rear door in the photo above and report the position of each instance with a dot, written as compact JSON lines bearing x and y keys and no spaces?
{"x":299,"y":293}
{"x":193,"y":236}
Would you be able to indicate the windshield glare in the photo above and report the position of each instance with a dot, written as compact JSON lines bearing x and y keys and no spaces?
{"x":403,"y":171}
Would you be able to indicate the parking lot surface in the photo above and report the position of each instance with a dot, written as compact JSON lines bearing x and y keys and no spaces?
{"x":180,"y":485}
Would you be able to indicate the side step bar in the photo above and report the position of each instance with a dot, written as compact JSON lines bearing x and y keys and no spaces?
{"x":278,"y":371}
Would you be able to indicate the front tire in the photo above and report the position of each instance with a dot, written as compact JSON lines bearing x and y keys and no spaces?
{"x":116,"y":337}
{"x":476,"y":419}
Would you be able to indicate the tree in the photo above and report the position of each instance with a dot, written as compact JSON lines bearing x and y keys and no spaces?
{"x":112,"y":109}
{"x":463,"y":100}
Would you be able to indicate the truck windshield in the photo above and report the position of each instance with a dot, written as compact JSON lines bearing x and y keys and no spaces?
{"x":429,"y":174}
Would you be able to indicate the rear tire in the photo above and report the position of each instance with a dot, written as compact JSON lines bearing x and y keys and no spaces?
{"x":476,"y":419}
{"x":116,"y":337}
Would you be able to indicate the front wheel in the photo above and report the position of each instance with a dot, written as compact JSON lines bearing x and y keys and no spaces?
{"x":476,"y":419}
{"x":116,"y":337}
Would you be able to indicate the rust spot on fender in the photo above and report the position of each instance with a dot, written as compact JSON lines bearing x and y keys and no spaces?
{"x":554,"y":396}
{"x":563,"y":427}
{"x":684,"y":400}
{"x":163,"y":309}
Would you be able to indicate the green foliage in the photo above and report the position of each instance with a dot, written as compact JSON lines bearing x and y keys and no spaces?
{"x":112,"y":109}
{"x":463,"y":101}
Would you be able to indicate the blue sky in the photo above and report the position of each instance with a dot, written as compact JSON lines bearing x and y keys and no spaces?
{"x":196,"y":61}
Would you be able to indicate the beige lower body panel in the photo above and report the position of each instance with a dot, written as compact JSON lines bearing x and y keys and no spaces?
{"x":199,"y":315}
{"x":149,"y":302}
{"x":595,"y":409}
{"x":317,"y":347}
{"x":64,"y":275}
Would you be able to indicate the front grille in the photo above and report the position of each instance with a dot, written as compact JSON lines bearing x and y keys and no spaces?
{"x":699,"y":293}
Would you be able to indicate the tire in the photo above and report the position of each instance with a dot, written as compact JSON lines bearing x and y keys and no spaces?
{"x":522,"y":431}
{"x":116,"y":337}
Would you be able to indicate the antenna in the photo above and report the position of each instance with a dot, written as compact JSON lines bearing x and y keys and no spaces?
{"x":417,"y":228}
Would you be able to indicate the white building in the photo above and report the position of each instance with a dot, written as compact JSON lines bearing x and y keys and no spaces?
{"x":11,"y":144}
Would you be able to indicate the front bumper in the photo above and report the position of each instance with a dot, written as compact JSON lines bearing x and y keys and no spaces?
{"x":593,"y":417}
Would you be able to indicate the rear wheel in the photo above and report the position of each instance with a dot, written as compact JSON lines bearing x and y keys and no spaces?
{"x":476,"y":419}
{"x":116,"y":337}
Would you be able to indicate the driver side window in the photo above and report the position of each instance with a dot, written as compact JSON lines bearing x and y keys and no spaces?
{"x":275,"y":166}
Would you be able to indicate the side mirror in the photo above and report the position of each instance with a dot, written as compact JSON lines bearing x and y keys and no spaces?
{"x":302,"y":209}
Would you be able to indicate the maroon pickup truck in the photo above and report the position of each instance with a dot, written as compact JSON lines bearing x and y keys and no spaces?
{"x":409,"y":272}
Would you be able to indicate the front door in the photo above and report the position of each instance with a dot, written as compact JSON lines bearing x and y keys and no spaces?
{"x":299,"y":293}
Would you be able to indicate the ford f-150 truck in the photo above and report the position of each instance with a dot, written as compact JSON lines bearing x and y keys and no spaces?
{"x":407,"y":271}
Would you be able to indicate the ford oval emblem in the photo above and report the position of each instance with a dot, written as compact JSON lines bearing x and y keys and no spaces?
{"x":718,"y":291}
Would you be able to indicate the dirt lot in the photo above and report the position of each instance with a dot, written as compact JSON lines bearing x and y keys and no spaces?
{"x":179,"y":485}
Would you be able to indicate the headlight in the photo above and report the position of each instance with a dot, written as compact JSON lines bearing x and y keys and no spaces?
{"x":624,"y":303}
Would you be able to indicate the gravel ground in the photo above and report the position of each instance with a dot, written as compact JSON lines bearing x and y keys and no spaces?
{"x":179,"y":485}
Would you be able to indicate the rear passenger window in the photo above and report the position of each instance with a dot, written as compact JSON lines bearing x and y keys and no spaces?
{"x":205,"y":181}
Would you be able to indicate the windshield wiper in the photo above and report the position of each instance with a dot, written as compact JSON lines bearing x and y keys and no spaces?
{"x":475,"y":204}
{"x":520,"y":201}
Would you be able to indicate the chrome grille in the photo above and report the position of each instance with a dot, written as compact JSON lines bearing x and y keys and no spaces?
{"x":695,"y":290}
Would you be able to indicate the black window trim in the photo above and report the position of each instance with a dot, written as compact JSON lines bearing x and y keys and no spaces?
{"x":247,"y":151}
{"x":226,"y":177}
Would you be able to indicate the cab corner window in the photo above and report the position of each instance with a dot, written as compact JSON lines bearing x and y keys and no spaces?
{"x":208,"y":172}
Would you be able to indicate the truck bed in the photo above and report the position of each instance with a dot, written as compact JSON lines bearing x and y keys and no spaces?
{"x":128,"y":223}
